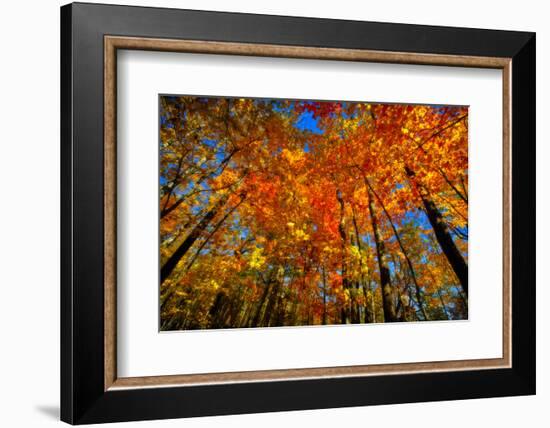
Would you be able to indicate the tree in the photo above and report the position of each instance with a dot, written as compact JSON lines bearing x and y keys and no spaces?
{"x":276,"y":212}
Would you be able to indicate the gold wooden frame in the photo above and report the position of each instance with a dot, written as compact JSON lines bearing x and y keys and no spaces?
{"x":113,"y":43}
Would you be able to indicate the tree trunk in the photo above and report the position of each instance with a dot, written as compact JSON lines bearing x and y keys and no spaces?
{"x":215,"y":229}
{"x":443,"y":305}
{"x":418,"y":292}
{"x":346,"y":310}
{"x":174,"y":183}
{"x":270,"y":313}
{"x":443,"y":236}
{"x":388,"y":300}
{"x":258,"y":313}
{"x":168,"y":209}
{"x":171,"y":263}
{"x":215,"y":310}
{"x":324,"y":295}
{"x":360,"y":282}
{"x":281,"y":310}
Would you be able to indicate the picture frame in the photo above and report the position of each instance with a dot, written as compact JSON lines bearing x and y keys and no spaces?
{"x":91,"y":391}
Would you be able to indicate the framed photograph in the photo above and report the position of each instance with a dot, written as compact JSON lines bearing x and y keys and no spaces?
{"x":266,"y":213}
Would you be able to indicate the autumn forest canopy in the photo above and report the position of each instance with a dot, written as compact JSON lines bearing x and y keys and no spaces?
{"x":290,"y":213}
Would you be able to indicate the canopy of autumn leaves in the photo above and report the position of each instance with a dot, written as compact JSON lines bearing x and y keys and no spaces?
{"x":283,"y":213}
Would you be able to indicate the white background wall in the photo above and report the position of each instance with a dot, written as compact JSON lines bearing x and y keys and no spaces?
{"x":29,"y":213}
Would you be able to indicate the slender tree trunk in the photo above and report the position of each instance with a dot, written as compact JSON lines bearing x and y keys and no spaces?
{"x":294,"y":311}
{"x":463,"y":300}
{"x":246,"y":314}
{"x":174,"y":259}
{"x":418,"y":292}
{"x":369,"y":311}
{"x":411,"y":307}
{"x":281,"y":310}
{"x":461,"y":195}
{"x":236,"y":307}
{"x":270,"y":314}
{"x":443,"y":304}
{"x":443,"y":236}
{"x":360,"y":283}
{"x":324,"y":295}
{"x":216,"y":227}
{"x":388,"y":298}
{"x":216,"y":310}
{"x":355,"y":312}
{"x":345,"y":312}
{"x":168,"y":209}
{"x":173,"y":184}
{"x":258,"y":313}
